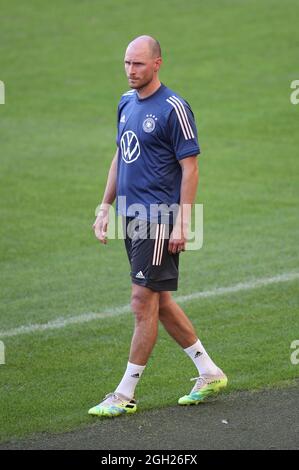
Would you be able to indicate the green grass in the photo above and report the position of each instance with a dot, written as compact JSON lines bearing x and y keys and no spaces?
{"x":62,"y":67}
{"x":53,"y":378}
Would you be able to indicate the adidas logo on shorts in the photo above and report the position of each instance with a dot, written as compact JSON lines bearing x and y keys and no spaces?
{"x":140,"y":275}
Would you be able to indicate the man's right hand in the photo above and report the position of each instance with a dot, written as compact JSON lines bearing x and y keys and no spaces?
{"x":100,"y":225}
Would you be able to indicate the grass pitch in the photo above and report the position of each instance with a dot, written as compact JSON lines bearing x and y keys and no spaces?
{"x":62,"y":68}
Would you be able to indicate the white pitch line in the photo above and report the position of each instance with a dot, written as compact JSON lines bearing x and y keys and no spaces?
{"x":115,"y":311}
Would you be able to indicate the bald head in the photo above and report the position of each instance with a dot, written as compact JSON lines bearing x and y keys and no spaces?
{"x":147,"y":45}
{"x":142,"y":63}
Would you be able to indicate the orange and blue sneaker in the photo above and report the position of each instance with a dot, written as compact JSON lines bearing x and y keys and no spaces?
{"x":206,"y":385}
{"x":114,"y":404}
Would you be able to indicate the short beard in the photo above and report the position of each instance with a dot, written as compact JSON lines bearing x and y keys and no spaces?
{"x":140,"y":87}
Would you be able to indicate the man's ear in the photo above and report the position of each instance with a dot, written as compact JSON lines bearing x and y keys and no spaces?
{"x":158,"y":63}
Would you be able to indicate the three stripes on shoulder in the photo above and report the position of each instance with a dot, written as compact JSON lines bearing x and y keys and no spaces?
{"x":182,"y":116}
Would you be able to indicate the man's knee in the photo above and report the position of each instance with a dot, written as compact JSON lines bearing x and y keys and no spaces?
{"x":144,"y":302}
{"x":164,"y":303}
{"x":138,"y":303}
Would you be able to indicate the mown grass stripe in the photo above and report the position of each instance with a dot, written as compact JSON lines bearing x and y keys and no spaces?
{"x":62,"y":322}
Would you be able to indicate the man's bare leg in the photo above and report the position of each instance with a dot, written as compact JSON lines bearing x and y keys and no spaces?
{"x":145,"y":306}
{"x":175,"y":321}
{"x":179,"y":327}
{"x":211,"y":379}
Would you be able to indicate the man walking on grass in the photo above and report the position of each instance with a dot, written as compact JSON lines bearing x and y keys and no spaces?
{"x":154,"y":167}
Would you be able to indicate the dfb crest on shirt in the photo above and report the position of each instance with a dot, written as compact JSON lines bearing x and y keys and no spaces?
{"x":130,"y":148}
{"x":149,"y":123}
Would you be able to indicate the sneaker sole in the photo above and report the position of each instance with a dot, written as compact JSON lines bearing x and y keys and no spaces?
{"x":216,"y":389}
{"x":107,"y":414}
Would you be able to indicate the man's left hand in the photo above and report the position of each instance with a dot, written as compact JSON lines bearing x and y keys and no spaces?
{"x":177,"y":240}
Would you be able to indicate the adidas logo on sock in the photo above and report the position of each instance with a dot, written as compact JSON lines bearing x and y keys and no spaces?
{"x":136,"y":376}
{"x":197,"y":354}
{"x":140,"y":275}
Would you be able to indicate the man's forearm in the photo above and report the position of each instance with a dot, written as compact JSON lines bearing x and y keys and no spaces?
{"x":110,"y":190}
{"x":189,"y":186}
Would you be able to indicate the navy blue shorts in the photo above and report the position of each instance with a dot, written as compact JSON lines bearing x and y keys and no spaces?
{"x":147,"y":249}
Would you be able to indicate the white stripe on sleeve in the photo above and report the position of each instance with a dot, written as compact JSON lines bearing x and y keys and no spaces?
{"x":185,"y":114}
{"x":181,"y":117}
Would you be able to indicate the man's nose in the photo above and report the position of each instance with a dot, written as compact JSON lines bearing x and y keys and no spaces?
{"x":131,"y":70}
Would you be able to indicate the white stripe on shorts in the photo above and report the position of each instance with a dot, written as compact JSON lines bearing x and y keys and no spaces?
{"x":156,"y":243}
{"x":159,"y":244}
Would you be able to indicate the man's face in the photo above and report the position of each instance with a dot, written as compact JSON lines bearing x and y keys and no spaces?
{"x":140,"y":67}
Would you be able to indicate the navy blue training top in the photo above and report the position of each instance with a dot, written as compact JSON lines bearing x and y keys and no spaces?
{"x":154,"y":133}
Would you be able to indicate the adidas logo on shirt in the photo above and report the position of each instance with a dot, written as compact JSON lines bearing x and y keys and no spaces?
{"x":140,"y":275}
{"x":123,"y":118}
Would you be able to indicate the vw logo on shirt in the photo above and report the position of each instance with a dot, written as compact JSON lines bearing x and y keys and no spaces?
{"x":130,"y":148}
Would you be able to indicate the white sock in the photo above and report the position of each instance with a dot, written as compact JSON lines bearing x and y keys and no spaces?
{"x":130,"y":379}
{"x":201,"y":359}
